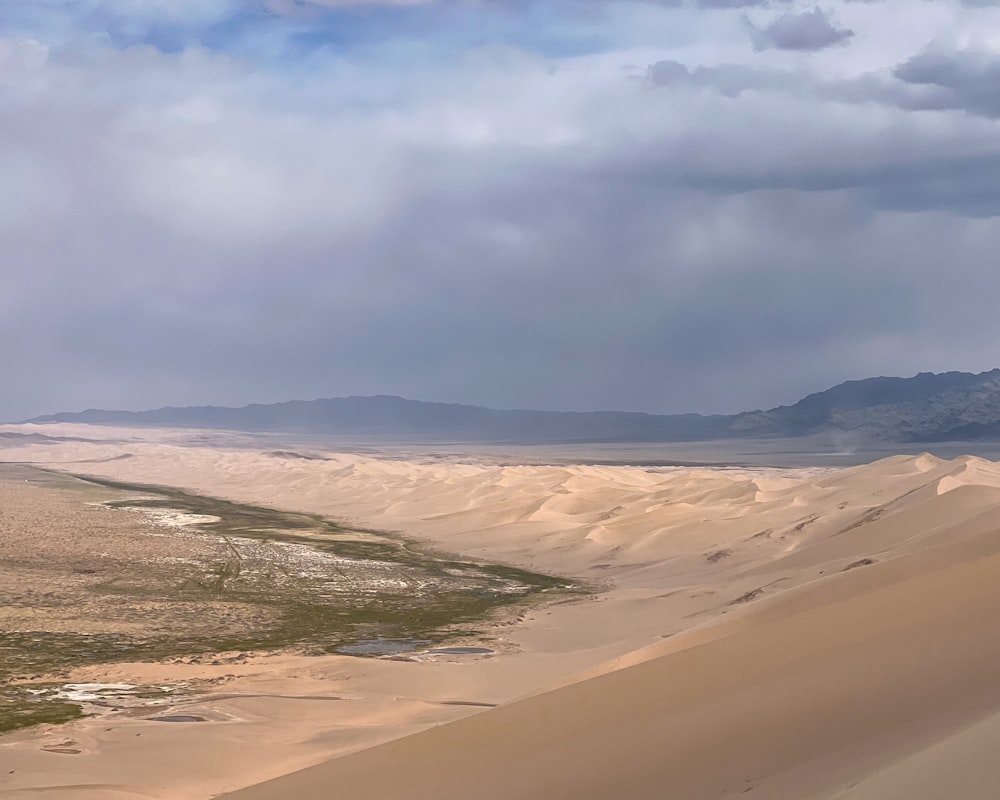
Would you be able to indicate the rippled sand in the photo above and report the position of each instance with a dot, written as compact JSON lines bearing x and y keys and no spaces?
{"x":773,"y":633}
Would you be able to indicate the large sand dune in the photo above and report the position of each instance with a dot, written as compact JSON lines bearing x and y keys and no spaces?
{"x":773,"y":633}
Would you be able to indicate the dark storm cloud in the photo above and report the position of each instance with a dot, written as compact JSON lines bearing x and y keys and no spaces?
{"x":904,"y":175}
{"x":552,"y":289}
{"x":964,"y":186}
{"x":964,"y":79}
{"x":961,"y":81}
{"x":809,"y":30}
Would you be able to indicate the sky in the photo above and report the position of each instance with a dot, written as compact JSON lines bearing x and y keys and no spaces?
{"x":665,"y":206}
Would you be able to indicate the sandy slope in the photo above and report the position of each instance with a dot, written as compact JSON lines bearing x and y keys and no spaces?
{"x":761,"y":632}
{"x":795,"y":706}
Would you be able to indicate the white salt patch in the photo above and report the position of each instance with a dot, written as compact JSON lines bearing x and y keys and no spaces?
{"x":170,"y":518}
{"x":87,"y":692}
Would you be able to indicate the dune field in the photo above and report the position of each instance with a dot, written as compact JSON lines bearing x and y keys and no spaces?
{"x":816,"y":632}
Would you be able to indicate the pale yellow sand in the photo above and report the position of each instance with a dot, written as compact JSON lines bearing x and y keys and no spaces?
{"x":796,"y":704}
{"x":761,"y":632}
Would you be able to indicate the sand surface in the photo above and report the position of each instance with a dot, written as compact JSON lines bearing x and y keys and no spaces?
{"x":769,"y":633}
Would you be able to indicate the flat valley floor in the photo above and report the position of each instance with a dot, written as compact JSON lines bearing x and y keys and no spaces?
{"x":821,"y":632}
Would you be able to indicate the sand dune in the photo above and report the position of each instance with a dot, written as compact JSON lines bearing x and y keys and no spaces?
{"x":795,"y":706}
{"x":774,"y":633}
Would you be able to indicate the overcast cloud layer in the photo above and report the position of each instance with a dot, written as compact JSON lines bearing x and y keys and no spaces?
{"x":667,"y":206}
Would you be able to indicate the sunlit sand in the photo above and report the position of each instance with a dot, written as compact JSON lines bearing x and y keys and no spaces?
{"x":822,"y":633}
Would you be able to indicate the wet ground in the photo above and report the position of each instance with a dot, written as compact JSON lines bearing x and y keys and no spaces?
{"x":96,"y":571}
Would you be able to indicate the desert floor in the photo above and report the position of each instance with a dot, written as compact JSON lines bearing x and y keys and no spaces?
{"x":808,"y":632}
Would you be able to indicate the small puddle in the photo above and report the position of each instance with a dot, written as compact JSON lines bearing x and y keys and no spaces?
{"x":381,"y":647}
{"x":262,"y":580}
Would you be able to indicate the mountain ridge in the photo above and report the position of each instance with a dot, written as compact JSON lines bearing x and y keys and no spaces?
{"x":927,"y":407}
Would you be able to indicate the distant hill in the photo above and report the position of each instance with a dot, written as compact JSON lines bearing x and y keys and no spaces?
{"x":384,"y":415}
{"x":929,"y":407}
{"x":925,"y":408}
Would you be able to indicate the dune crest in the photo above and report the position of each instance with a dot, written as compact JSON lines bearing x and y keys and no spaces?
{"x":786,"y":632}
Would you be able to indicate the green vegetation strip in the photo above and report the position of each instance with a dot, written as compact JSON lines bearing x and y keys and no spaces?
{"x":362,"y":586}
{"x":21,"y":709}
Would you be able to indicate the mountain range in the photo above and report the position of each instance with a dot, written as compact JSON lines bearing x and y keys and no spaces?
{"x":928,"y":407}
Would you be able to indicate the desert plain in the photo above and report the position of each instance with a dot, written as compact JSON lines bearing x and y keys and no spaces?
{"x":653,"y":632}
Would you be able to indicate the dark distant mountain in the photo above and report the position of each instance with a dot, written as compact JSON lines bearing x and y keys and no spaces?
{"x":384,"y":415}
{"x":927,"y":407}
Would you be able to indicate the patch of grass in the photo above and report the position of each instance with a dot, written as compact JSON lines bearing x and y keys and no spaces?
{"x":25,"y":655}
{"x":21,"y":709}
{"x":374,"y":586}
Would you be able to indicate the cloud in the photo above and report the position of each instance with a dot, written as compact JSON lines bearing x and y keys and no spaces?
{"x":729,"y":80}
{"x":737,"y":3}
{"x":611,"y":206}
{"x":964,"y":79}
{"x":809,"y":30}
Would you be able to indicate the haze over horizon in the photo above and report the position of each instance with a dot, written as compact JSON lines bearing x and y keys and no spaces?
{"x":706,"y":206}
{"x":311,"y":400}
